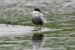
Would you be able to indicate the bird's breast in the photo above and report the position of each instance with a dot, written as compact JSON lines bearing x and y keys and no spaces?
{"x":36,"y":15}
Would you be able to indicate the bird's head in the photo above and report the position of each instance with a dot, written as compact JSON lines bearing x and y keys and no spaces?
{"x":37,"y":9}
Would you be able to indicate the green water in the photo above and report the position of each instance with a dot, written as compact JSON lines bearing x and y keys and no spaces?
{"x":63,"y":39}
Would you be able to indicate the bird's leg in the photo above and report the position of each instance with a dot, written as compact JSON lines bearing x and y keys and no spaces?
{"x":36,"y":28}
{"x":40,"y":27}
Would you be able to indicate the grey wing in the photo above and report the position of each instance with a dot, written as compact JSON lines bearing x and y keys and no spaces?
{"x":42,"y":17}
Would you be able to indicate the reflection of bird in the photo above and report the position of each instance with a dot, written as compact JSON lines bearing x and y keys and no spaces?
{"x":37,"y":40}
{"x":38,"y":18}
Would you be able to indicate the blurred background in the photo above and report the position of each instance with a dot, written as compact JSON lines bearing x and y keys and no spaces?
{"x":60,"y":13}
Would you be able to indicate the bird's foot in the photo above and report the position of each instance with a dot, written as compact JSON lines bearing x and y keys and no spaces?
{"x":39,"y":28}
{"x":35,"y":29}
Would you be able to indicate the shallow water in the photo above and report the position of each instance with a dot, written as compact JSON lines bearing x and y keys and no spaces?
{"x":14,"y":30}
{"x":60,"y":35}
{"x":59,"y":31}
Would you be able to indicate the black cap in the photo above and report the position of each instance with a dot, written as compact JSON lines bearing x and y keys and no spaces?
{"x":37,"y":9}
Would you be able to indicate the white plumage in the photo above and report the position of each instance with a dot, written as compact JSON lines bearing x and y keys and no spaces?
{"x":38,"y":14}
{"x":38,"y":18}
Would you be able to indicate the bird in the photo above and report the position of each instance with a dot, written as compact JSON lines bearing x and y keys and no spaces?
{"x":38,"y":18}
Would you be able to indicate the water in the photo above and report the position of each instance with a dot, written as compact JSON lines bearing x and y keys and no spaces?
{"x":60,"y":37}
{"x":60,"y":28}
